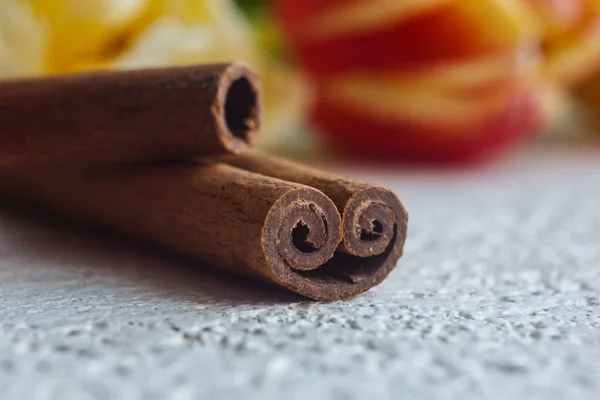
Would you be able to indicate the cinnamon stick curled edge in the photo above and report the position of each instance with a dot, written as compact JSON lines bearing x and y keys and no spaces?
{"x":374,"y":221}
{"x":278,"y":231}
{"x":122,"y":116}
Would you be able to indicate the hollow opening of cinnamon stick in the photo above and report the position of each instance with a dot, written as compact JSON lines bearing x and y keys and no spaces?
{"x":307,"y":233}
{"x":370,"y":214}
{"x":346,"y":269}
{"x":368,"y":223}
{"x":372,"y":234}
{"x":241,"y":109}
{"x":302,"y":238}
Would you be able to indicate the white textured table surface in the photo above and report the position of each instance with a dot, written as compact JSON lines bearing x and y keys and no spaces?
{"x":497,"y":296}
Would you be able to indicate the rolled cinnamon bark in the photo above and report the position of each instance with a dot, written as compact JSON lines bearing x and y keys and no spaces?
{"x":282,"y":232}
{"x":126,"y":116}
{"x":374,"y":221}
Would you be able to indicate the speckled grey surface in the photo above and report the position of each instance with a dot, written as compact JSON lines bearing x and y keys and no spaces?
{"x":497,"y":297}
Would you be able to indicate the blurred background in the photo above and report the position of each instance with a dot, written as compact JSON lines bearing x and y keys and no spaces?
{"x":412,"y":81}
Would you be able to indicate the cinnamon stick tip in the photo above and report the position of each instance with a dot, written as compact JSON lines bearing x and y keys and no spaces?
{"x":239,"y":106}
{"x":371,"y":219}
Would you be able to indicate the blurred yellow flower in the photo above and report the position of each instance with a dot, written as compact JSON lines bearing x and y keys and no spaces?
{"x":66,"y":36}
{"x":22,"y":40}
{"x":80,"y":30}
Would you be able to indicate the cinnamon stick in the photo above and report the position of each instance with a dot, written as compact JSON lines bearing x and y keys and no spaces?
{"x":374,"y":221}
{"x":260,"y":226}
{"x":126,"y":116}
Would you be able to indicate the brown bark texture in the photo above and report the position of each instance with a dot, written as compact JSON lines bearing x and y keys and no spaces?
{"x":129,"y":116}
{"x":282,"y":232}
{"x":374,"y":221}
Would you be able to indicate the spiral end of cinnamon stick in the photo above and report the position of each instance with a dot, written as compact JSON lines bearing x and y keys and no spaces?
{"x":348,"y":274}
{"x":369,"y":220}
{"x":301,"y":236}
{"x":239,"y":104}
{"x":302,"y":231}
